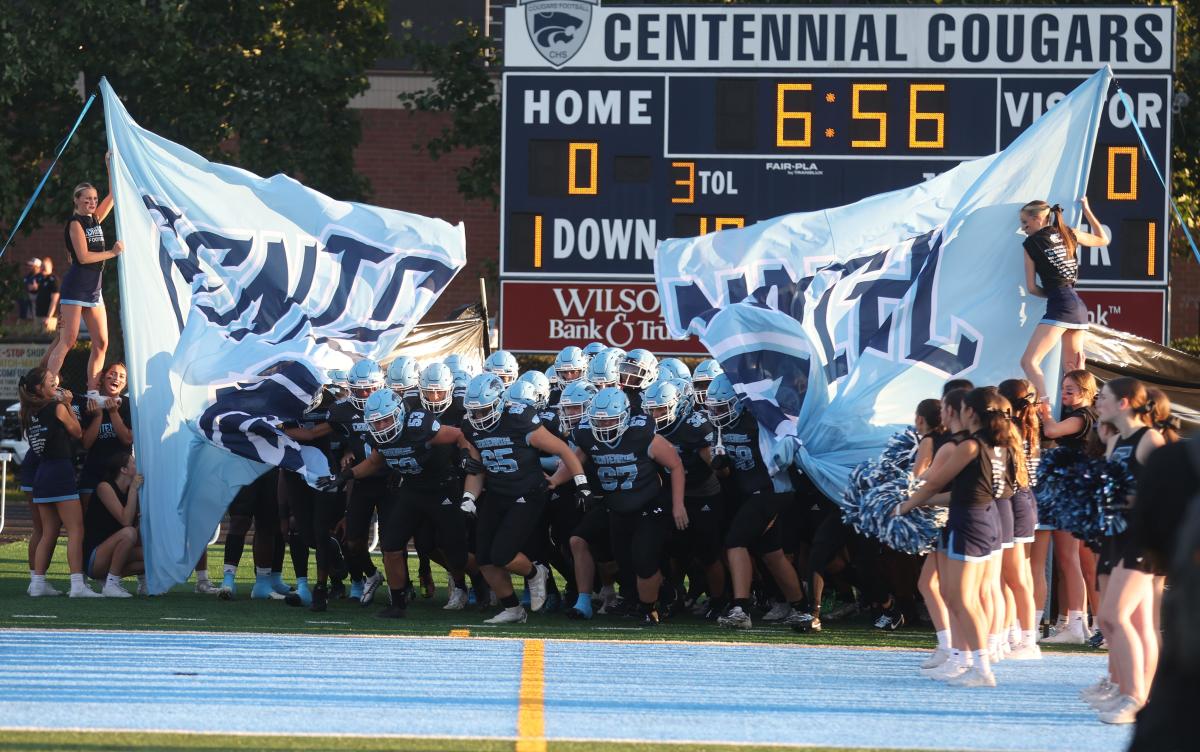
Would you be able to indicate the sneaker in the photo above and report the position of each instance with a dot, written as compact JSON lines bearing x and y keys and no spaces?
{"x":1107,"y":701}
{"x":778,"y":611}
{"x":83,"y":591}
{"x":457,"y":601}
{"x":973,"y":677}
{"x":1124,"y":711}
{"x":536,"y":587}
{"x":890,"y":621}
{"x":370,"y":585}
{"x":205,"y":587}
{"x":392,"y":612}
{"x":41,"y":590}
{"x":320,"y":599}
{"x":115,"y":591}
{"x":514,"y":615}
{"x":947,"y":671}
{"x":554,"y":602}
{"x":1099,"y":688}
{"x":806,"y":623}
{"x":1066,"y":637}
{"x":1026,"y":651}
{"x":935,"y":659}
{"x":736,"y":619}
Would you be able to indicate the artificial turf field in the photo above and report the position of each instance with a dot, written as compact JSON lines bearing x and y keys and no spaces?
{"x":190,"y":663}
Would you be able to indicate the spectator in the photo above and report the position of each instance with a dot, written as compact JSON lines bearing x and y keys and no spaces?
{"x":46,"y":305}
{"x":33,"y":277}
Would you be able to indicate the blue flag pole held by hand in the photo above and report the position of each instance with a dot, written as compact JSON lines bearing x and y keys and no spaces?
{"x":53,"y":163}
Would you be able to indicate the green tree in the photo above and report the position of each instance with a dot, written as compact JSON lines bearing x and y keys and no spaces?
{"x":262,"y":85}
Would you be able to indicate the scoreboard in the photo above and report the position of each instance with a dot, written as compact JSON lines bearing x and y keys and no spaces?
{"x":641,"y":132}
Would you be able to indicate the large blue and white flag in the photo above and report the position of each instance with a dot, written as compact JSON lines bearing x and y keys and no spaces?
{"x":237,"y":294}
{"x":834,"y":324}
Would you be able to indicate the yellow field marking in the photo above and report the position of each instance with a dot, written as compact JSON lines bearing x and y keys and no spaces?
{"x":460,"y":633}
{"x":531,"y":710}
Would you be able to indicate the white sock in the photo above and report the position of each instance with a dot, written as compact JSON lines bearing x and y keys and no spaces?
{"x":37,"y":579}
{"x":993,"y":642}
{"x":201,"y":575}
{"x":1014,"y":633}
{"x":1061,"y":623}
{"x":1075,"y":620}
{"x":262,"y":571}
{"x":77,"y":580}
{"x":982,"y":663}
{"x":1029,"y":636}
{"x":1037,"y":619}
{"x":112,"y":579}
{"x":231,"y":569}
{"x":966,"y":661}
{"x":943,"y":638}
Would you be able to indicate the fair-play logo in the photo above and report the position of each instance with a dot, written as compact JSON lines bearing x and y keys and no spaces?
{"x":558,"y":28}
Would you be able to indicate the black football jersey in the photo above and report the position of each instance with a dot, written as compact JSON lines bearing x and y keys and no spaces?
{"x":549,"y":418}
{"x":628,"y":476}
{"x":512,"y":467}
{"x":455,"y":414}
{"x":689,"y":436}
{"x":412,"y":456}
{"x":741,"y":444}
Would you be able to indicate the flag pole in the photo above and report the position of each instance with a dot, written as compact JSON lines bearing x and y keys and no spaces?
{"x":483,"y":313}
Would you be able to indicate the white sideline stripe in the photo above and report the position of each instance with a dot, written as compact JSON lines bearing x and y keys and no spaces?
{"x":327,"y":622}
{"x":181,"y":618}
{"x":33,"y":616}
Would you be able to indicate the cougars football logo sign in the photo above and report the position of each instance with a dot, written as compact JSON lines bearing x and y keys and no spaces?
{"x":558,"y":28}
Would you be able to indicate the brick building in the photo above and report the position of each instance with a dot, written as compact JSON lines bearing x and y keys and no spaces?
{"x":404,"y":177}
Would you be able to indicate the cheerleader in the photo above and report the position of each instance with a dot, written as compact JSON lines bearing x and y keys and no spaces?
{"x":1126,"y":616}
{"x":935,"y":434}
{"x":1021,"y":634}
{"x":49,"y":426}
{"x":1051,"y":256}
{"x":1078,"y":420}
{"x":107,"y":432}
{"x":981,"y":470}
{"x":80,"y":294}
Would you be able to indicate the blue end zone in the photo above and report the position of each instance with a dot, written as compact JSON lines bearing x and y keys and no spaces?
{"x":412,"y":686}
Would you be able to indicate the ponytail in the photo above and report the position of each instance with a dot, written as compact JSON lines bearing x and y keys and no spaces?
{"x":27,"y":392}
{"x":1019,"y":394}
{"x":1140,"y":405}
{"x":997,"y":430}
{"x":1160,"y":414}
{"x":1054,"y":217}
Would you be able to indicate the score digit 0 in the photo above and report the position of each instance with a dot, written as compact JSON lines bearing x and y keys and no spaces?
{"x":592,"y":149}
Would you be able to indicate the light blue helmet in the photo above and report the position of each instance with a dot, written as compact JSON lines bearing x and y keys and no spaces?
{"x":673,"y":368}
{"x":337,"y":383}
{"x":461,"y":379}
{"x":551,"y":377}
{"x":365,"y":377}
{"x":483,"y":401}
{"x":541,"y":387}
{"x":703,"y":376}
{"x":384,"y":415}
{"x":608,"y":414}
{"x":724,"y":405}
{"x":603,"y":370}
{"x":570,"y":364}
{"x":638,"y":369}
{"x":662,"y":395}
{"x":592,"y":349}
{"x":437,"y":387}
{"x":687,"y":396}
{"x":619,"y":351}
{"x":573,"y":404}
{"x":523,"y":392}
{"x":403,"y":374}
{"x":456,"y":363}
{"x":503,"y":365}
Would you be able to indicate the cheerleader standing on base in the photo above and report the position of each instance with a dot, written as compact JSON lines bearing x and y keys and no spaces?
{"x":982,"y":469}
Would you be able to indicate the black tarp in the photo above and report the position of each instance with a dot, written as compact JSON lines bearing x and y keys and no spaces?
{"x":1111,"y":353}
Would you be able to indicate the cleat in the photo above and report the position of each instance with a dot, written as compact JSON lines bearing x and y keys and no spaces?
{"x":806,"y":623}
{"x":337,"y":590}
{"x":778,"y":611}
{"x":890,"y":621}
{"x":457,"y":601}
{"x":582,"y":610}
{"x":262,"y":590}
{"x":842,"y":611}
{"x":115,"y":591}
{"x":392,"y":612}
{"x":608,"y":599}
{"x":428,"y":588}
{"x":302,"y":596}
{"x":278,"y":585}
{"x":320,"y":599}
{"x":205,"y":587}
{"x":1097,"y":641}
{"x":735,"y":619}
{"x":973,"y":677}
{"x":514,"y":615}
{"x":536,"y":587}
{"x":356,"y":589}
{"x":651,"y":618}
{"x":554,"y":603}
{"x":369,"y":587}
{"x":228,"y":589}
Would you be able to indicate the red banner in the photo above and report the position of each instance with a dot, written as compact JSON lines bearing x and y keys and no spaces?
{"x":1140,"y":312}
{"x":544,"y":317}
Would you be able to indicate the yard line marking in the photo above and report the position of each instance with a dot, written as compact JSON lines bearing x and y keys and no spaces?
{"x":327,"y":622}
{"x":181,"y":618}
{"x":460,"y":633}
{"x":33,"y":616}
{"x":618,"y":629}
{"x":531,"y":710}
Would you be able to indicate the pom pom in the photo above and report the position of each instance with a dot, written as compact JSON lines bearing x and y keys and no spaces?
{"x":1088,"y":497}
{"x":913,"y":533}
